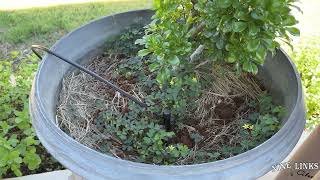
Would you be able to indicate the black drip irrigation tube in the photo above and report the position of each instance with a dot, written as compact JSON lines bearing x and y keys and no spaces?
{"x":166,"y":113}
{"x":93,"y":74}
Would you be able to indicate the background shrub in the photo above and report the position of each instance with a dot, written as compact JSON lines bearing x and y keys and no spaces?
{"x":17,"y":138}
{"x":307,"y":59}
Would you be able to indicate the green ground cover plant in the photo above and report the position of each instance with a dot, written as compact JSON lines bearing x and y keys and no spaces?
{"x":19,"y":146}
{"x":17,"y":138}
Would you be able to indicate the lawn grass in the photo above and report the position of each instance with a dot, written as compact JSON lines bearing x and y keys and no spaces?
{"x":22,"y":25}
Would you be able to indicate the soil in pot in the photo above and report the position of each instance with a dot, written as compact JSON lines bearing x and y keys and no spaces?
{"x":229,"y":114}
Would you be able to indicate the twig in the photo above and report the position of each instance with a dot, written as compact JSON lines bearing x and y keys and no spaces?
{"x":221,"y":95}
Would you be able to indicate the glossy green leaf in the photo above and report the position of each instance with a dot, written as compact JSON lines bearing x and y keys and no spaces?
{"x":239,"y":26}
{"x":153,"y":67}
{"x":242,"y":15}
{"x":227,"y":27}
{"x":276,"y":4}
{"x":253,"y":30}
{"x":220,"y":44}
{"x":267,"y":42}
{"x":261,"y":54}
{"x":174,"y":60}
{"x":253,"y":44}
{"x":294,"y":31}
{"x":255,"y":15}
{"x":290,"y":21}
{"x":140,"y":41}
{"x":224,"y":3}
{"x":250,"y":67}
{"x":143,"y":52}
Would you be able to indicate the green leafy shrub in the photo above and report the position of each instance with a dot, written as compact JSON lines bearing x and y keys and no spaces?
{"x":17,"y":138}
{"x":185,"y":34}
{"x":242,"y":32}
{"x":307,"y":59}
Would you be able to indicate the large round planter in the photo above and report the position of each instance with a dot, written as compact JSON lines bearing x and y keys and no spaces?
{"x":278,"y":74}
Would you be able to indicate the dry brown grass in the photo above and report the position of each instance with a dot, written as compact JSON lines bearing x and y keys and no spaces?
{"x":82,"y":98}
{"x":228,"y":90}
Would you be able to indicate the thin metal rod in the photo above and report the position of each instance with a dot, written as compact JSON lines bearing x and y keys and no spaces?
{"x":112,"y":86}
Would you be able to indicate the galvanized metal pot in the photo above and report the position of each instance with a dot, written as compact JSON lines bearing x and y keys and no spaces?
{"x":278,"y":74}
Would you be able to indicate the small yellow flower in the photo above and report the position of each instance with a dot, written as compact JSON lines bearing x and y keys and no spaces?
{"x":194,"y":79}
{"x":171,"y":82}
{"x":248,"y":126}
{"x":171,"y":148}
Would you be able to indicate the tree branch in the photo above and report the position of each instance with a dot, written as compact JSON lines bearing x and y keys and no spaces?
{"x":195,"y":30}
{"x":196,"y":53}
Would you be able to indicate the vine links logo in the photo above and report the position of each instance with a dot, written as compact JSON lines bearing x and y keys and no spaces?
{"x":297,"y":168}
